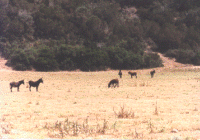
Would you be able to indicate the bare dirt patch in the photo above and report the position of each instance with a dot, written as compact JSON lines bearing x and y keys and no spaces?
{"x":3,"y":64}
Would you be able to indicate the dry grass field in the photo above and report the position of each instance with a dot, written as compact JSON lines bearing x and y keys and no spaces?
{"x":80,"y":105}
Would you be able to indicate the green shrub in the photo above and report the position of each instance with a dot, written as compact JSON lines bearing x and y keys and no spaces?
{"x":169,"y":38}
{"x":132,"y":44}
{"x":183,"y":56}
{"x":19,"y":66}
{"x":152,"y":60}
{"x":133,"y":61}
{"x":67,"y":64}
{"x":196,"y":59}
{"x":19,"y":60}
{"x":172,"y":53}
{"x":93,"y":59}
{"x":116,"y":56}
{"x":65,"y":57}
{"x":120,"y":58}
{"x":46,"y":60}
{"x":138,"y":3}
{"x":95,"y":29}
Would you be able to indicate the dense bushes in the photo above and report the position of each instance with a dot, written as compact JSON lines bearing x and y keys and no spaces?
{"x":49,"y":35}
{"x":45,"y":60}
{"x":94,"y":59}
{"x":121,"y":58}
{"x":152,"y":60}
{"x":196,"y":59}
{"x":19,"y":60}
{"x":185,"y":56}
{"x":67,"y":57}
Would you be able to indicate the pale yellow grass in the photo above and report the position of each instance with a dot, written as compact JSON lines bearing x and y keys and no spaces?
{"x":81,"y":95}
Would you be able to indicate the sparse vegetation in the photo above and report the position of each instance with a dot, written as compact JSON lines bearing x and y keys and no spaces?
{"x":156,"y":109}
{"x":142,"y":84}
{"x":124,"y":113}
{"x":151,"y":126}
{"x":89,"y":108}
{"x":62,"y":129}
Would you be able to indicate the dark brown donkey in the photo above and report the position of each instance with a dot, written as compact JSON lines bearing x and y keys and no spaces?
{"x":16,"y":84}
{"x":152,"y":73}
{"x":114,"y":83}
{"x":35,"y":84}
{"x":133,"y":74}
{"x":120,"y":73}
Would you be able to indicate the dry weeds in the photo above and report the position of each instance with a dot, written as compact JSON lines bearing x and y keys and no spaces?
{"x":79,"y":105}
{"x":124,"y":113}
{"x":63,"y":129}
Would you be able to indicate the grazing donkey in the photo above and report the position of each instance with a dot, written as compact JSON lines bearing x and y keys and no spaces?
{"x":16,"y":84}
{"x":120,"y":73}
{"x":133,"y":74}
{"x":35,"y":84}
{"x":114,"y":83}
{"x":152,"y":73}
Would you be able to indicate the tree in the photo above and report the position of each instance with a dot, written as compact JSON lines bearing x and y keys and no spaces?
{"x":46,"y":60}
{"x":152,"y":60}
{"x":95,"y":29}
{"x":51,"y":23}
{"x":138,"y":3}
{"x":19,"y":60}
{"x":169,"y":38}
{"x":93,"y":59}
{"x":65,"y":57}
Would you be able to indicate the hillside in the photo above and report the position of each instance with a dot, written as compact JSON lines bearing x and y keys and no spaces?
{"x":90,"y":35}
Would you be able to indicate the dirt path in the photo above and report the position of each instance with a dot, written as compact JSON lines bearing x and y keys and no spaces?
{"x":3,"y":64}
{"x":167,"y":62}
{"x":170,"y":63}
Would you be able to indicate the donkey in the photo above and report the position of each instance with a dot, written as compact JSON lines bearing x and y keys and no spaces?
{"x":16,"y":84}
{"x":114,"y":83}
{"x":133,"y":74}
{"x":152,"y":73}
{"x":35,"y":84}
{"x":120,"y":73}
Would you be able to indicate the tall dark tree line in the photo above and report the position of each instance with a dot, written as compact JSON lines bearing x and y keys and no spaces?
{"x":95,"y":35}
